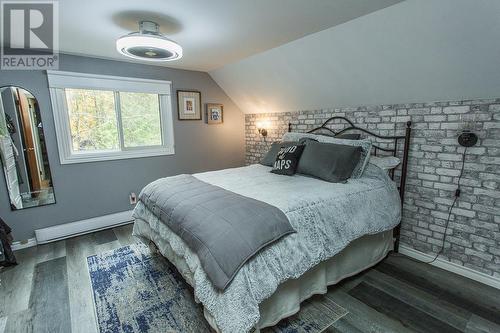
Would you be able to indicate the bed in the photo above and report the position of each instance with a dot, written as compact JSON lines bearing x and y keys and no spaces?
{"x":271,"y":285}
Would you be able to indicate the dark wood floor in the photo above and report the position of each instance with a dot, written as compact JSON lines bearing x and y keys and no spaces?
{"x":49,"y":291}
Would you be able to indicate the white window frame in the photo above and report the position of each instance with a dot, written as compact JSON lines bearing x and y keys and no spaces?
{"x":59,"y":81}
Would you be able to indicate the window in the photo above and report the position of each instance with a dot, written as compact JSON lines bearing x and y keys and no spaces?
{"x":92,"y":120}
{"x":105,"y":117}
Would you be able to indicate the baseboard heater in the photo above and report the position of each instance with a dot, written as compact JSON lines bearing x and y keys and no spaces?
{"x":67,"y":230}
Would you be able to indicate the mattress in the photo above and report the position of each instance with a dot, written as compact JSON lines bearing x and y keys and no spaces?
{"x":327,"y":218}
{"x":285,"y":301}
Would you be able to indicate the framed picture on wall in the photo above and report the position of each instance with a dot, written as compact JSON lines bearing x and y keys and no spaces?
{"x":188,"y":105}
{"x":214,"y":113}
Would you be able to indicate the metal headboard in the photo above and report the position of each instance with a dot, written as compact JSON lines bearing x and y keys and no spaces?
{"x":393,"y":141}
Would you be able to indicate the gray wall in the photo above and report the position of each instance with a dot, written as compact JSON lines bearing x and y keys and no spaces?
{"x":433,"y":168}
{"x":416,"y":50}
{"x":94,"y":189}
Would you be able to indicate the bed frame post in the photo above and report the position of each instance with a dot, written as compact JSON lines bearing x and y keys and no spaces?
{"x":402,"y":184}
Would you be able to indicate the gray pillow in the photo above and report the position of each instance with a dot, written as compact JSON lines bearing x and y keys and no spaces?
{"x":273,"y":152}
{"x":305,"y":139}
{"x":349,"y":136}
{"x":365,"y":144}
{"x":328,"y":161}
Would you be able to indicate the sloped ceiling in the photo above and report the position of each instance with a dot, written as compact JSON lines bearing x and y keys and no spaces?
{"x":414,"y":51}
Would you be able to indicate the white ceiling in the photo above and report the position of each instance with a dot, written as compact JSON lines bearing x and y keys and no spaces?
{"x":212,"y":33}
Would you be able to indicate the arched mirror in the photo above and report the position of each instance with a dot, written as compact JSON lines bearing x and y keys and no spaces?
{"x":23,"y":151}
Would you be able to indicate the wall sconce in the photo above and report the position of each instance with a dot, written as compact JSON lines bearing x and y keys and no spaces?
{"x":262,"y":127}
{"x":467,"y":137}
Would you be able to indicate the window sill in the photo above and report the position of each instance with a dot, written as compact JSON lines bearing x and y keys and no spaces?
{"x":118,"y":155}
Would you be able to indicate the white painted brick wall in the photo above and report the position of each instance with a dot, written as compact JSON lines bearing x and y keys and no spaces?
{"x":435,"y":157}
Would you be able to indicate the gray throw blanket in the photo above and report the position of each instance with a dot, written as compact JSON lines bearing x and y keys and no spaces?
{"x":223,"y":228}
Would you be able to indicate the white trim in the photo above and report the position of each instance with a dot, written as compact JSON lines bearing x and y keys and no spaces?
{"x":23,"y":244}
{"x":114,"y":155}
{"x":119,"y":121}
{"x":451,"y":267}
{"x":72,"y":229}
{"x":167,"y":123}
{"x":60,"y":79}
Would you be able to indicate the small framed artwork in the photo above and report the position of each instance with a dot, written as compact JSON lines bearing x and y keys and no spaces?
{"x":214,"y":113}
{"x":189,"y":105}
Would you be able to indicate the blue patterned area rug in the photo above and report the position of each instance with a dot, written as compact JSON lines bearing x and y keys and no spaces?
{"x":136,"y":291}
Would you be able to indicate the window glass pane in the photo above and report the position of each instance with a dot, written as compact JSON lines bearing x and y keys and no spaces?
{"x":92,"y":120}
{"x":140,"y":119}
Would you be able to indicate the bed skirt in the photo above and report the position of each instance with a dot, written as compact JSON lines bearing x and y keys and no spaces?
{"x":356,"y":257}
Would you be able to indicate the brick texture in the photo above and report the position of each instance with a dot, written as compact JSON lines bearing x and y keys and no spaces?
{"x":473,"y":238}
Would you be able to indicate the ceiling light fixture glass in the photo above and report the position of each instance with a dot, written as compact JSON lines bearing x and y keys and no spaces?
{"x":148,"y":44}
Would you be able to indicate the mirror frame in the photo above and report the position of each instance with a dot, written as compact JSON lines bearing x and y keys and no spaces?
{"x":50,"y":169}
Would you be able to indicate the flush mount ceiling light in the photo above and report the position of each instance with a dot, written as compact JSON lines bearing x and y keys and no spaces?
{"x":148,"y":44}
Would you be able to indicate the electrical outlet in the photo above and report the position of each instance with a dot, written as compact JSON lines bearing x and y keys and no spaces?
{"x":133,"y":198}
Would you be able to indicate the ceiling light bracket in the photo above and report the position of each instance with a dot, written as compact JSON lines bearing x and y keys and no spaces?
{"x":149,"y":27}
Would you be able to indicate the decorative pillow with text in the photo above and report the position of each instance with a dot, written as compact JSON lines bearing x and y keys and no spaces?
{"x":287,"y":160}
{"x":274,"y":150}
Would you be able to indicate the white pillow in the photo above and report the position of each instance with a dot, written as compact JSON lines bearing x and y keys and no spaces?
{"x":386,"y":162}
{"x":365,"y":144}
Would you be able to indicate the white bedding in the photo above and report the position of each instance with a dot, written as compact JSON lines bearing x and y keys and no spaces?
{"x":359,"y":255}
{"x":326,"y":216}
